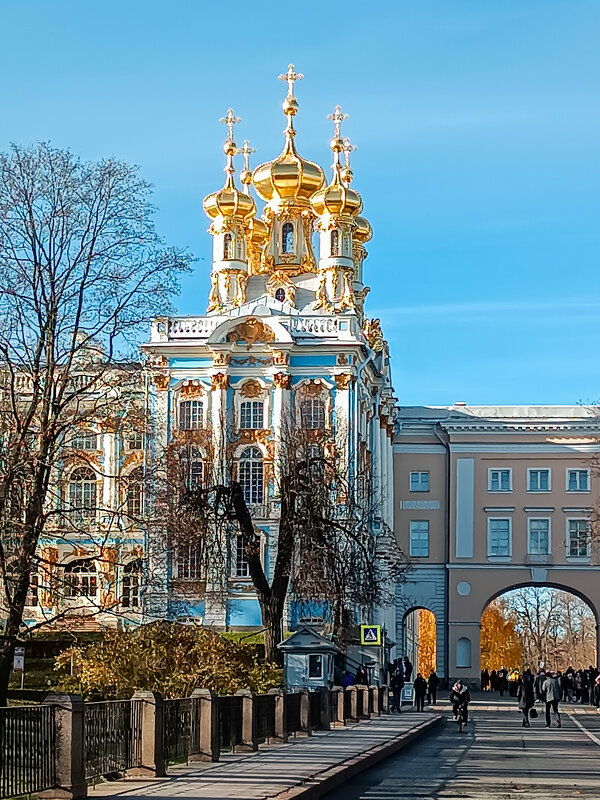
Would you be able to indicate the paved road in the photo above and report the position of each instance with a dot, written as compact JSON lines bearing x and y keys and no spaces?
{"x":494,"y":758}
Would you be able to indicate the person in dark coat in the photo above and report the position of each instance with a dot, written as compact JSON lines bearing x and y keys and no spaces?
{"x":493,"y":681}
{"x":485,"y":680}
{"x":460,"y":697}
{"x":502,"y":680}
{"x":348,"y":679}
{"x":526,"y":695}
{"x":596,"y":693}
{"x":432,"y":686}
{"x":396,"y":685}
{"x":360,"y":679}
{"x":538,"y":683}
{"x":420,"y":686}
{"x":408,"y":668}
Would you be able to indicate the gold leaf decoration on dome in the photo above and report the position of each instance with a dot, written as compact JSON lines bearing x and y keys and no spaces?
{"x":251,"y":331}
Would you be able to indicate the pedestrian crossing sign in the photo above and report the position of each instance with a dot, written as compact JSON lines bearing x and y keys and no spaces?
{"x":370,"y":634}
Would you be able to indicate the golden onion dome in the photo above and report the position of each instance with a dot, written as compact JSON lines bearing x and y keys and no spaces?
{"x":259,"y":232}
{"x":229,"y":202}
{"x":288,"y":177}
{"x":363,"y":230}
{"x":336,"y":199}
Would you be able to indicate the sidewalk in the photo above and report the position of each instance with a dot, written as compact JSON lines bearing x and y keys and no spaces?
{"x":304,"y":768}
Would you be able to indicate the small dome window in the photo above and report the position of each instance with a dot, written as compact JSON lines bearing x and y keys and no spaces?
{"x":280,"y":295}
{"x":287,"y":238}
{"x":335,"y":243}
{"x":227,"y":247}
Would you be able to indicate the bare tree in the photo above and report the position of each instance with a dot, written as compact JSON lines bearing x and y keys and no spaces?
{"x":82,"y":270}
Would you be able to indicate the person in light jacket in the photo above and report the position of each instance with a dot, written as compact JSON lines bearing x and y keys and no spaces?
{"x":552,"y":691}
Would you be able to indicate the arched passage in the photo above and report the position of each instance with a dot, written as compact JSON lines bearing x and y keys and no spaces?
{"x":420,"y":632}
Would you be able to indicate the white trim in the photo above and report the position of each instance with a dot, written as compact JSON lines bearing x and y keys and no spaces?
{"x":499,"y":509}
{"x":523,"y":567}
{"x":578,"y":491}
{"x":524,"y":448}
{"x":510,"y":481}
{"x":410,"y":524}
{"x":535,"y":519}
{"x":539,"y":509}
{"x":577,"y":559}
{"x":507,"y":555}
{"x":539,"y":469}
{"x":419,"y":448}
{"x":419,"y":472}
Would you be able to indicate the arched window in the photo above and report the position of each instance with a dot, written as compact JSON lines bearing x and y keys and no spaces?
{"x":335,"y":243}
{"x":227,"y":246}
{"x":280,"y":295}
{"x":191,"y":415}
{"x":81,"y":578}
{"x":82,"y":494}
{"x":312,"y":412}
{"x":134,"y":496}
{"x":251,"y":475}
{"x":84,"y":440}
{"x":252,"y":414}
{"x":463,"y":652}
{"x":287,"y":238}
{"x":132,"y":578}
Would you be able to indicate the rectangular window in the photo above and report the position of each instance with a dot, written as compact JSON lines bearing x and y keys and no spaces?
{"x":499,"y":537}
{"x":189,"y":561}
{"x":241,"y":567}
{"x":499,"y":480}
{"x":578,"y":480}
{"x":33,"y":597}
{"x":251,"y":414}
{"x":190,"y":415}
{"x":315,"y":666}
{"x":578,"y":538}
{"x":419,"y":538}
{"x":419,"y":481}
{"x":135,"y":441}
{"x":538,"y":480}
{"x":538,"y":537}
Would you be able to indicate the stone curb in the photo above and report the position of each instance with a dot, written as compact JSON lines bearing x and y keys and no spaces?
{"x":334,"y":777}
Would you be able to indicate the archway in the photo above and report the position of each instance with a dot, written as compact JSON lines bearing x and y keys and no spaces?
{"x":533,"y":625}
{"x":420,"y":640}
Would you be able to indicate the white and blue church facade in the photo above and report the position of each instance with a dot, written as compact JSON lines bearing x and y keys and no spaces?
{"x":284,"y":336}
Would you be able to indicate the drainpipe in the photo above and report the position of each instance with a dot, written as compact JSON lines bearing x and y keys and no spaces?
{"x":446,"y":446}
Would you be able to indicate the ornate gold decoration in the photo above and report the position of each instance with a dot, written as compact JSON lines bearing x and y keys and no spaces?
{"x":251,"y":331}
{"x":374,"y":334}
{"x":251,"y":388}
{"x":192,"y":390}
{"x":219,"y":380}
{"x":281,"y":380}
{"x":161,"y":381}
{"x":252,"y":435}
{"x":221,"y":359}
{"x":312,"y":389}
{"x":158,"y":361}
{"x":343,"y":381}
{"x":342,"y":359}
{"x":214,"y":300}
{"x":281,"y":359}
{"x":288,"y":258}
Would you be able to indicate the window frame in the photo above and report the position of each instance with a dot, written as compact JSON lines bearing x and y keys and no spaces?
{"x":491,"y":555}
{"x":200,"y":417}
{"x":131,"y":584}
{"x":419,"y":472}
{"x":248,"y":482}
{"x":548,"y":520}
{"x":321,"y":663}
{"x":285,"y":228}
{"x":322,"y":411}
{"x":252,"y":403}
{"x":530,"y":470}
{"x":500,"y":470}
{"x":577,"y":557}
{"x":415,"y":522}
{"x":73,"y":590}
{"x":578,"y":490}
{"x":186,"y":562}
{"x":77,"y":510}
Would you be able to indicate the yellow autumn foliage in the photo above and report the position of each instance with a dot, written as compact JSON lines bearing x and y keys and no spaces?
{"x":427,"y":642}
{"x":500,"y":645}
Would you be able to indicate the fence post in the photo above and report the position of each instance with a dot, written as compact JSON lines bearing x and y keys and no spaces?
{"x":384,"y":699}
{"x":209,"y":746}
{"x":325,"y":721}
{"x":69,"y":750}
{"x":281,"y":734}
{"x":365,"y":701}
{"x":351,"y":691}
{"x":249,"y":742}
{"x":375,"y":712}
{"x":305,"y":720}
{"x":338,"y":707}
{"x":152,"y":756}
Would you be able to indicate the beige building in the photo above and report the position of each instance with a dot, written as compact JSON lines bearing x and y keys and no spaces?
{"x":487,"y":499}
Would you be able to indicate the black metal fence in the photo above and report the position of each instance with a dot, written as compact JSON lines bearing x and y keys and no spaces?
{"x":27,"y":747}
{"x":265,"y":716}
{"x":293,"y":720}
{"x":230,"y":721}
{"x":315,"y":709}
{"x":181,"y":728}
{"x":111,"y":737}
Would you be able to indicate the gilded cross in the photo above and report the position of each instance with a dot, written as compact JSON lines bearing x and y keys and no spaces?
{"x":230,"y":120}
{"x":246,"y":151}
{"x":348,"y":148}
{"x":337,"y":118}
{"x":291,"y":77}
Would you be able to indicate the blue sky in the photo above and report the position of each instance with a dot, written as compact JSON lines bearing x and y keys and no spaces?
{"x":477,"y":124}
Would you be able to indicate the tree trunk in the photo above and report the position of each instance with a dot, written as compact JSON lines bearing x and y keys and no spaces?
{"x":272,"y":619}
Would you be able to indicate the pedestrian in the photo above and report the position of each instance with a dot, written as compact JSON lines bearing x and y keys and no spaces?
{"x":408,"y":668}
{"x":460,"y":697}
{"x":526,"y":696}
{"x":360,"y":679}
{"x":596,"y":693}
{"x":348,"y":679}
{"x":493,"y":681}
{"x":539,"y":682}
{"x":420,"y":687}
{"x":502,"y":680}
{"x":396,"y":685}
{"x":485,"y":680}
{"x":432,"y":686}
{"x":552,"y":693}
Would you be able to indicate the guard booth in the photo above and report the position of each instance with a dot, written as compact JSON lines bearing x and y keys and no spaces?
{"x":308,"y":659}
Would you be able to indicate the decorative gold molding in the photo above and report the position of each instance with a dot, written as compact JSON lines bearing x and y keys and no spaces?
{"x":251,"y":331}
{"x":281,"y":380}
{"x":342,"y":359}
{"x":343,"y":381}
{"x":219,"y":381}
{"x":161,"y":381}
{"x":251,"y":388}
{"x":374,"y":334}
{"x":280,"y":358}
{"x":192,"y":390}
{"x":221,"y":359}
